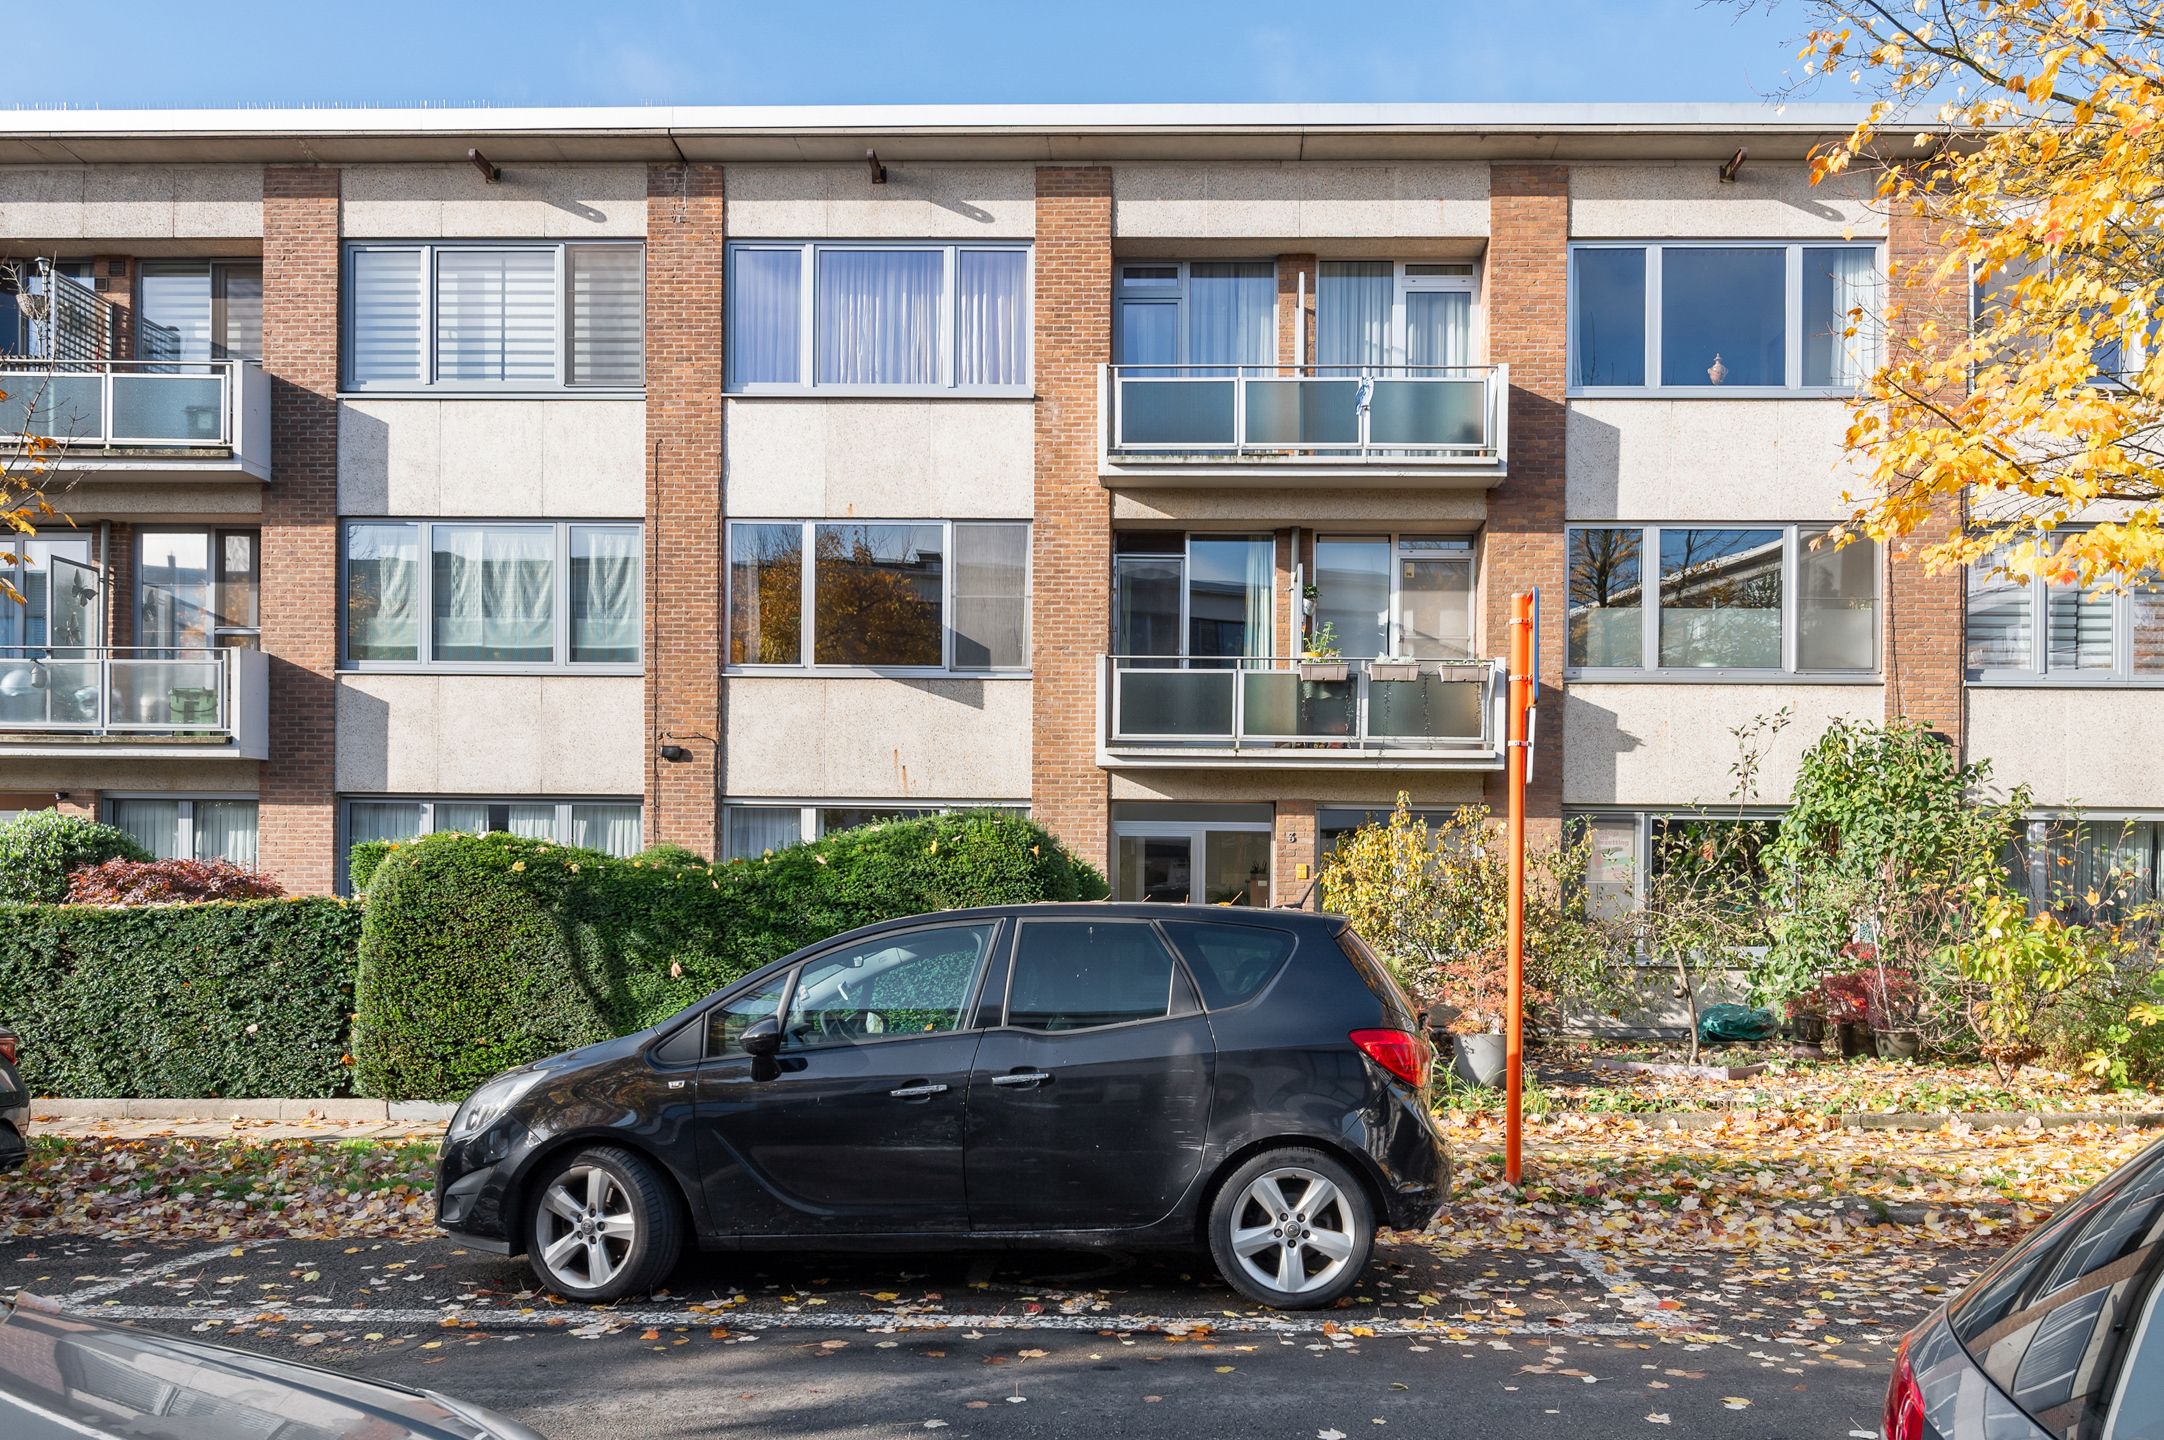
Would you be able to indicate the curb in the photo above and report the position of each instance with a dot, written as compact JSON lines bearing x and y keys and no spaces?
{"x":1891,"y":1120}
{"x":345,"y":1111}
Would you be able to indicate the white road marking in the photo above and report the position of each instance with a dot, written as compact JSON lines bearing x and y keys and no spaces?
{"x":1625,"y":1290}
{"x":196,"y":1260}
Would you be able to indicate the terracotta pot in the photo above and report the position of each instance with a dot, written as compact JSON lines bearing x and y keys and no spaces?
{"x":1480,"y":1060}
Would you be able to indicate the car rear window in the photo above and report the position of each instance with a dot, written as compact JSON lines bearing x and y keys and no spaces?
{"x":2047,"y":1324}
{"x":1371,"y":969}
{"x":1071,"y":975}
{"x":1230,"y":962}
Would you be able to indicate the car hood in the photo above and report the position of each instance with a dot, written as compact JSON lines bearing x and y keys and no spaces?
{"x":65,"y":1375}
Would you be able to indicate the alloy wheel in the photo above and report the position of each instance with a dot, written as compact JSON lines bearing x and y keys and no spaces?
{"x":586,"y":1227}
{"x":1292,"y":1231}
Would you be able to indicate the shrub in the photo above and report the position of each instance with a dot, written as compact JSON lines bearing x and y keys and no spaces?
{"x":362,"y":860}
{"x":481,"y":952}
{"x":168,"y":882}
{"x":247,"y":999}
{"x":37,"y":850}
{"x":668,"y":855}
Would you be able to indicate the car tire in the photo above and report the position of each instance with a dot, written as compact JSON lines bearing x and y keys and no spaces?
{"x":1259,"y":1207}
{"x":601,"y":1224}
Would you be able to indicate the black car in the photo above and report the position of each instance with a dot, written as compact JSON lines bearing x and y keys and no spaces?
{"x":65,"y":1376}
{"x":2060,"y":1340}
{"x":1117,"y":1075}
{"x":14,"y":1106}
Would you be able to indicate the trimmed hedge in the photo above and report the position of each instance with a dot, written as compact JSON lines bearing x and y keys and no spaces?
{"x":38,"y":849}
{"x":233,"y":999}
{"x":481,"y":952}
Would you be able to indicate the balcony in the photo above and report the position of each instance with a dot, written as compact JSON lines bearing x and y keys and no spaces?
{"x":134,"y":702}
{"x":1276,"y":714}
{"x":142,"y":419}
{"x":1408,"y":426}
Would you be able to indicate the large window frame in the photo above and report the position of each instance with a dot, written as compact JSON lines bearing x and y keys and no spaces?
{"x":237,"y":633}
{"x":1131,"y":286}
{"x":560,"y":834}
{"x":188,"y":842}
{"x":808,"y":615}
{"x":1794,"y":546}
{"x":1407,"y":279}
{"x":1405,"y":549}
{"x":429,"y":381}
{"x":950,"y":335}
{"x":812,"y":816}
{"x":1271,"y":640}
{"x":425,"y":609}
{"x":2039,"y":672}
{"x":1792,"y":385}
{"x":1645,"y":823}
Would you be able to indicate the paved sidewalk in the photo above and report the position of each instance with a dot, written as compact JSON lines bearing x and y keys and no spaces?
{"x":74,"y":1127}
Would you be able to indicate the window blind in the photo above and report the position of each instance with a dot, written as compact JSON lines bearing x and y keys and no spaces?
{"x":496,"y":316}
{"x":384,"y":325}
{"x":608,"y":314}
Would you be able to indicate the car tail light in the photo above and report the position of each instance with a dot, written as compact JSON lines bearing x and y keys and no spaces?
{"x":1405,"y":1056}
{"x":7,"y":1046}
{"x":1904,"y":1400}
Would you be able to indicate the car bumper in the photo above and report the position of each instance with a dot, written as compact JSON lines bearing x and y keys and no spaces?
{"x":476,"y":1183}
{"x":14,"y":1148}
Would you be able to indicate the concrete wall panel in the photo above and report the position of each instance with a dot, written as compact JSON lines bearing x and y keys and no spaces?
{"x":877,"y":739}
{"x":1671,"y":744}
{"x":490,"y":734}
{"x":900,"y":459}
{"x":510,"y":458}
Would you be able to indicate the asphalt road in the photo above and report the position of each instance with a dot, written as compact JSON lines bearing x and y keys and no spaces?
{"x":1733,"y":1346}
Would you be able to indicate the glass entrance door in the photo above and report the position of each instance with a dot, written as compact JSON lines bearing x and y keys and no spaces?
{"x":1179,"y":864}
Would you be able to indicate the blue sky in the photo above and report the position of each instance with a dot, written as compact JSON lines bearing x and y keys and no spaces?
{"x":553,"y":52}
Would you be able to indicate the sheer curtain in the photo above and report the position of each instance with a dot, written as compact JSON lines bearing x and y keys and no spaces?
{"x":614,"y":828}
{"x":1438,"y":327}
{"x":1838,"y":280}
{"x":755,"y":829}
{"x":765,"y":315}
{"x":226,"y":830}
{"x":1231,"y":313}
{"x":463,"y":816}
{"x":494,"y":593}
{"x":1261,"y":578}
{"x":155,"y":824}
{"x":879,"y":317}
{"x":535,"y":822}
{"x":382,"y":564}
{"x":992,"y":318}
{"x":605,"y":594}
{"x":1352,"y":313}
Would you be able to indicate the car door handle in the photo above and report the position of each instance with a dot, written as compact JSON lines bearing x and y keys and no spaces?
{"x":1026,"y":1077}
{"x":917,"y":1092}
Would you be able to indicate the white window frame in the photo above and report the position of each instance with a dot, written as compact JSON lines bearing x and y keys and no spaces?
{"x":1177,"y":295}
{"x":1793,"y":320}
{"x":808,"y":579}
{"x":424,"y":599}
{"x":1186,"y":557}
{"x":1649,"y":668}
{"x":1399,"y":556}
{"x":1403,"y":284}
{"x":811,"y":827}
{"x":109,"y":802}
{"x":428,"y":804}
{"x":2038,"y":673}
{"x":808,"y":383}
{"x":429,"y":383}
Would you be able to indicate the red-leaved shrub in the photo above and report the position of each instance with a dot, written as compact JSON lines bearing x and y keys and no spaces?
{"x":168,"y":882}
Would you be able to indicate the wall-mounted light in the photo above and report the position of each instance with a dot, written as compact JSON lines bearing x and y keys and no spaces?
{"x":879,"y":171}
{"x":674,"y":754}
{"x":481,"y":163}
{"x":1734,"y":164}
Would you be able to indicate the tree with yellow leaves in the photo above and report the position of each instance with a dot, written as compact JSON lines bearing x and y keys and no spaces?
{"x":25,"y":469}
{"x":2026,"y":140}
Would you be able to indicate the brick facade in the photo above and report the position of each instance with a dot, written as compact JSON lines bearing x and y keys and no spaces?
{"x":1523,"y":546}
{"x":1295,"y":340}
{"x":685,"y":229}
{"x":1071,"y":541}
{"x":297,"y":817}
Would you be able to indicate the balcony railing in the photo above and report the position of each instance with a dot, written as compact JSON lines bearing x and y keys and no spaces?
{"x":1395,"y":415}
{"x":1438,"y":714}
{"x":129,"y":694}
{"x":189,"y":410}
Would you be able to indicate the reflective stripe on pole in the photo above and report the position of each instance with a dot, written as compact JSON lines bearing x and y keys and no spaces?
{"x":1521,"y":699}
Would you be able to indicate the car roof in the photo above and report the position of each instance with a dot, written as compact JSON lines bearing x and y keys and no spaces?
{"x":1320,"y":921}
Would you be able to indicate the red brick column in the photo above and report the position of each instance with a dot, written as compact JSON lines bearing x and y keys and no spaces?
{"x":1071,"y":549}
{"x":1294,"y":848}
{"x":300,"y":529}
{"x":1527,"y":274}
{"x":1925,"y":659}
{"x":684,"y":265}
{"x":1290,"y":347}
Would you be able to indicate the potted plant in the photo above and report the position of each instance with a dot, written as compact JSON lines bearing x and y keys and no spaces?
{"x":1320,"y":658}
{"x":1807,"y":1017}
{"x":1848,"y":1008}
{"x":1395,"y":668}
{"x":1475,"y":986}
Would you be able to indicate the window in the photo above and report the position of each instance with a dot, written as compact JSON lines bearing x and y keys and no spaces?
{"x":1630,"y":849}
{"x":199,"y":310}
{"x":1405,"y":595}
{"x":1333,"y":823}
{"x":1201,"y":597}
{"x":495,"y":317}
{"x":60,"y":577}
{"x":613,"y":826}
{"x":1376,"y":313}
{"x":1759,"y":600}
{"x":195,"y":589}
{"x":1753,"y":318}
{"x":1201,"y":854}
{"x":878,"y":317}
{"x":1081,"y":975}
{"x":1215,"y":314}
{"x":191,"y":829}
{"x":880,"y":595}
{"x":750,"y":831}
{"x":1230,"y":962}
{"x":2088,"y":871}
{"x":2031,"y":629}
{"x":916,"y":983}
{"x":493,"y":595}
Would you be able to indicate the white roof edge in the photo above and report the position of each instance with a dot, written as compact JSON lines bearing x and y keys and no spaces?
{"x":783,"y":120}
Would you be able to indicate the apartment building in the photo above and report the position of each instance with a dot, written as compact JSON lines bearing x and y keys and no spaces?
{"x":727,"y":476}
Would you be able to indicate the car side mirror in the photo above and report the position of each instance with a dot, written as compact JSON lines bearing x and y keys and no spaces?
{"x":761,"y":1038}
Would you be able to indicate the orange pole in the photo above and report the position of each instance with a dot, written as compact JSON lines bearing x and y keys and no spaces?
{"x":1521,"y":695}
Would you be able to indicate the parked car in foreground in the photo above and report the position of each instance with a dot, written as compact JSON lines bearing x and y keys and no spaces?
{"x":1117,"y":1075}
{"x":2060,"y":1340}
{"x":65,"y":1376}
{"x":14,"y":1106}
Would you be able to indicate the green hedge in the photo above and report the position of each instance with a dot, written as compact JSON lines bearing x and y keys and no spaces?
{"x":483,"y":952}
{"x":39,"y":848}
{"x":234,"y":999}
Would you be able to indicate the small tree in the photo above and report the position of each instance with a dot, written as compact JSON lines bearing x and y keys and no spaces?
{"x":38,"y":850}
{"x":26,"y":463}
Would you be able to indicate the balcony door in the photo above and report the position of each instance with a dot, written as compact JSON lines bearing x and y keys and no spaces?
{"x":1205,"y":600}
{"x":1406,"y":595}
{"x":61,"y":588}
{"x":1221,"y":861}
{"x":200,"y":310}
{"x":196,"y":589}
{"x":1214,"y":315}
{"x":1379,"y":314}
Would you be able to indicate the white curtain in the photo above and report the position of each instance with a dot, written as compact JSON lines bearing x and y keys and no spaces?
{"x":384,"y":326}
{"x":382,"y":820}
{"x":1851,"y":283}
{"x":463,"y":816}
{"x":992,"y":318}
{"x":756,"y":829}
{"x":495,"y":593}
{"x":173,"y":316}
{"x":1352,"y":313}
{"x":1231,"y":313}
{"x":155,"y":824}
{"x":991,"y":596}
{"x":765,"y":305}
{"x":1261,"y":579}
{"x":1149,"y":332}
{"x":382,"y":565}
{"x":226,"y":830}
{"x":496,"y":316}
{"x":605,"y":594}
{"x":613,"y":828}
{"x":1438,"y":327}
{"x":879,"y":317}
{"x":534,"y":822}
